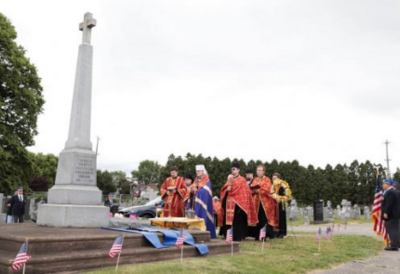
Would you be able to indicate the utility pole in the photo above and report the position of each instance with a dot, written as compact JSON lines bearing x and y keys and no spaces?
{"x":387,"y":158}
{"x":97,"y":145}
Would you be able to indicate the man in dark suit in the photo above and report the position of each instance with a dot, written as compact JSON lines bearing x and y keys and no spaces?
{"x":111,"y":203}
{"x":391,"y":212}
{"x":18,"y":203}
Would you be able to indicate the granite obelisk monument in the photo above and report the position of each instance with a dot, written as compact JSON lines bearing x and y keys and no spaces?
{"x":75,"y":200}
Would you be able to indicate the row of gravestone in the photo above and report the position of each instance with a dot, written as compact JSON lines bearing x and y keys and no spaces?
{"x":344,"y":211}
{"x":30,"y":209}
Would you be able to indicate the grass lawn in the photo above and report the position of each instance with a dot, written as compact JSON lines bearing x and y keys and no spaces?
{"x":283,"y":257}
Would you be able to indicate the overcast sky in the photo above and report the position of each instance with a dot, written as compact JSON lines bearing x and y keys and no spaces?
{"x":316,"y":81}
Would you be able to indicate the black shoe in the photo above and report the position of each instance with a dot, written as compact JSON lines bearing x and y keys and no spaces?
{"x":391,"y":248}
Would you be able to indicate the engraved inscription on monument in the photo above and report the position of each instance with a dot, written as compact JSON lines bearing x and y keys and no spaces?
{"x":85,"y":168}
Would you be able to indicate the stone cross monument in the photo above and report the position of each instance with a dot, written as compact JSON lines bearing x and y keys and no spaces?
{"x":75,"y":200}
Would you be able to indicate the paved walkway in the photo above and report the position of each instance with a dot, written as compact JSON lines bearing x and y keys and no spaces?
{"x":385,"y":262}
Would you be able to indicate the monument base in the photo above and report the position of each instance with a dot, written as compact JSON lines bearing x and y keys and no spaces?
{"x":73,"y":215}
{"x":75,"y":194}
{"x":74,"y":250}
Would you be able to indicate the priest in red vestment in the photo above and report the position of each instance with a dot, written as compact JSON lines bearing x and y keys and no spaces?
{"x":265,"y":204}
{"x":237,"y":208}
{"x":174,"y":191}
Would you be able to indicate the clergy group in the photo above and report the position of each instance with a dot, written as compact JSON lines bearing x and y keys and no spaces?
{"x":247,"y":205}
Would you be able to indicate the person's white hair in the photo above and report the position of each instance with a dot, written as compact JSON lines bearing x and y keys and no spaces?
{"x":202,"y":168}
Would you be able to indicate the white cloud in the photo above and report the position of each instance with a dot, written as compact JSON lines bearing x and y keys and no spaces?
{"x":315,"y":81}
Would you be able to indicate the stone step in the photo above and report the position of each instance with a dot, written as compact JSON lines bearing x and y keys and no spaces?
{"x":43,"y":240}
{"x":89,"y":259}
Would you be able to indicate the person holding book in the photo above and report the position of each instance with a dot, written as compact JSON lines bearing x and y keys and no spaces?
{"x":265,"y":205}
{"x":174,"y":192}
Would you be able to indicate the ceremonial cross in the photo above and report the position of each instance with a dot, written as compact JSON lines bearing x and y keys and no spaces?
{"x":88,"y":23}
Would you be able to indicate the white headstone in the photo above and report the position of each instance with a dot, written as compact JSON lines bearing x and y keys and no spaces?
{"x":75,"y":200}
{"x":367,"y":213}
{"x":356,"y":212}
{"x":2,"y":209}
{"x":1,"y":202}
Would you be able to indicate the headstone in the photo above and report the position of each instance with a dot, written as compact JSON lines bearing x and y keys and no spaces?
{"x":367,"y":213}
{"x":75,"y":200}
{"x":356,"y":212}
{"x":305,"y":212}
{"x":306,"y":220}
{"x":328,"y":212}
{"x":28,"y":208}
{"x":149,"y":194}
{"x":2,"y":208}
{"x":337,"y":211}
{"x":310,"y":212}
{"x":1,"y":203}
{"x":318,"y":211}
{"x":343,"y":209}
{"x":346,"y":210}
{"x":34,"y":208}
{"x":293,"y":211}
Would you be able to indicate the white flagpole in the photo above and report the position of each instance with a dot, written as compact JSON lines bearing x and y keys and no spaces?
{"x":319,"y":245}
{"x":182,"y":250}
{"x":262,"y":247}
{"x":116,"y":267}
{"x":23,"y":270}
{"x":181,"y":253}
{"x":119,"y":254}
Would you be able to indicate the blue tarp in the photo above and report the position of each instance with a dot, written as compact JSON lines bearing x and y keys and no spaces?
{"x":170,"y":237}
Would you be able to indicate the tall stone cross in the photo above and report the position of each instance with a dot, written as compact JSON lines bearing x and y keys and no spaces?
{"x":88,"y":23}
{"x":75,"y":200}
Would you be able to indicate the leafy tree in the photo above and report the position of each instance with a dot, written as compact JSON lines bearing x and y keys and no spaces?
{"x":396,"y":176}
{"x":105,"y":182}
{"x":355,"y":182}
{"x":44,"y":171}
{"x":21,"y":102}
{"x":120,"y":181}
{"x":149,"y":172}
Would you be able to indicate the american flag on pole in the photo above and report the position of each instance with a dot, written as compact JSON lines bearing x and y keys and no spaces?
{"x":21,"y":258}
{"x":319,"y":235}
{"x":116,"y":247}
{"x":379,"y":223}
{"x":181,"y":239}
{"x":229,"y":235}
{"x":333,"y":229}
{"x":328,"y":234}
{"x":263,"y":233}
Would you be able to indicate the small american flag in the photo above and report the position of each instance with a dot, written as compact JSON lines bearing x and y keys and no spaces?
{"x":181,"y":239}
{"x":116,"y":247}
{"x":229,"y":235}
{"x":328,"y":234}
{"x":21,"y":258}
{"x":345,"y":225}
{"x":263,"y":233}
{"x":333,"y":229}
{"x":319,"y":235}
{"x":338,"y":227}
